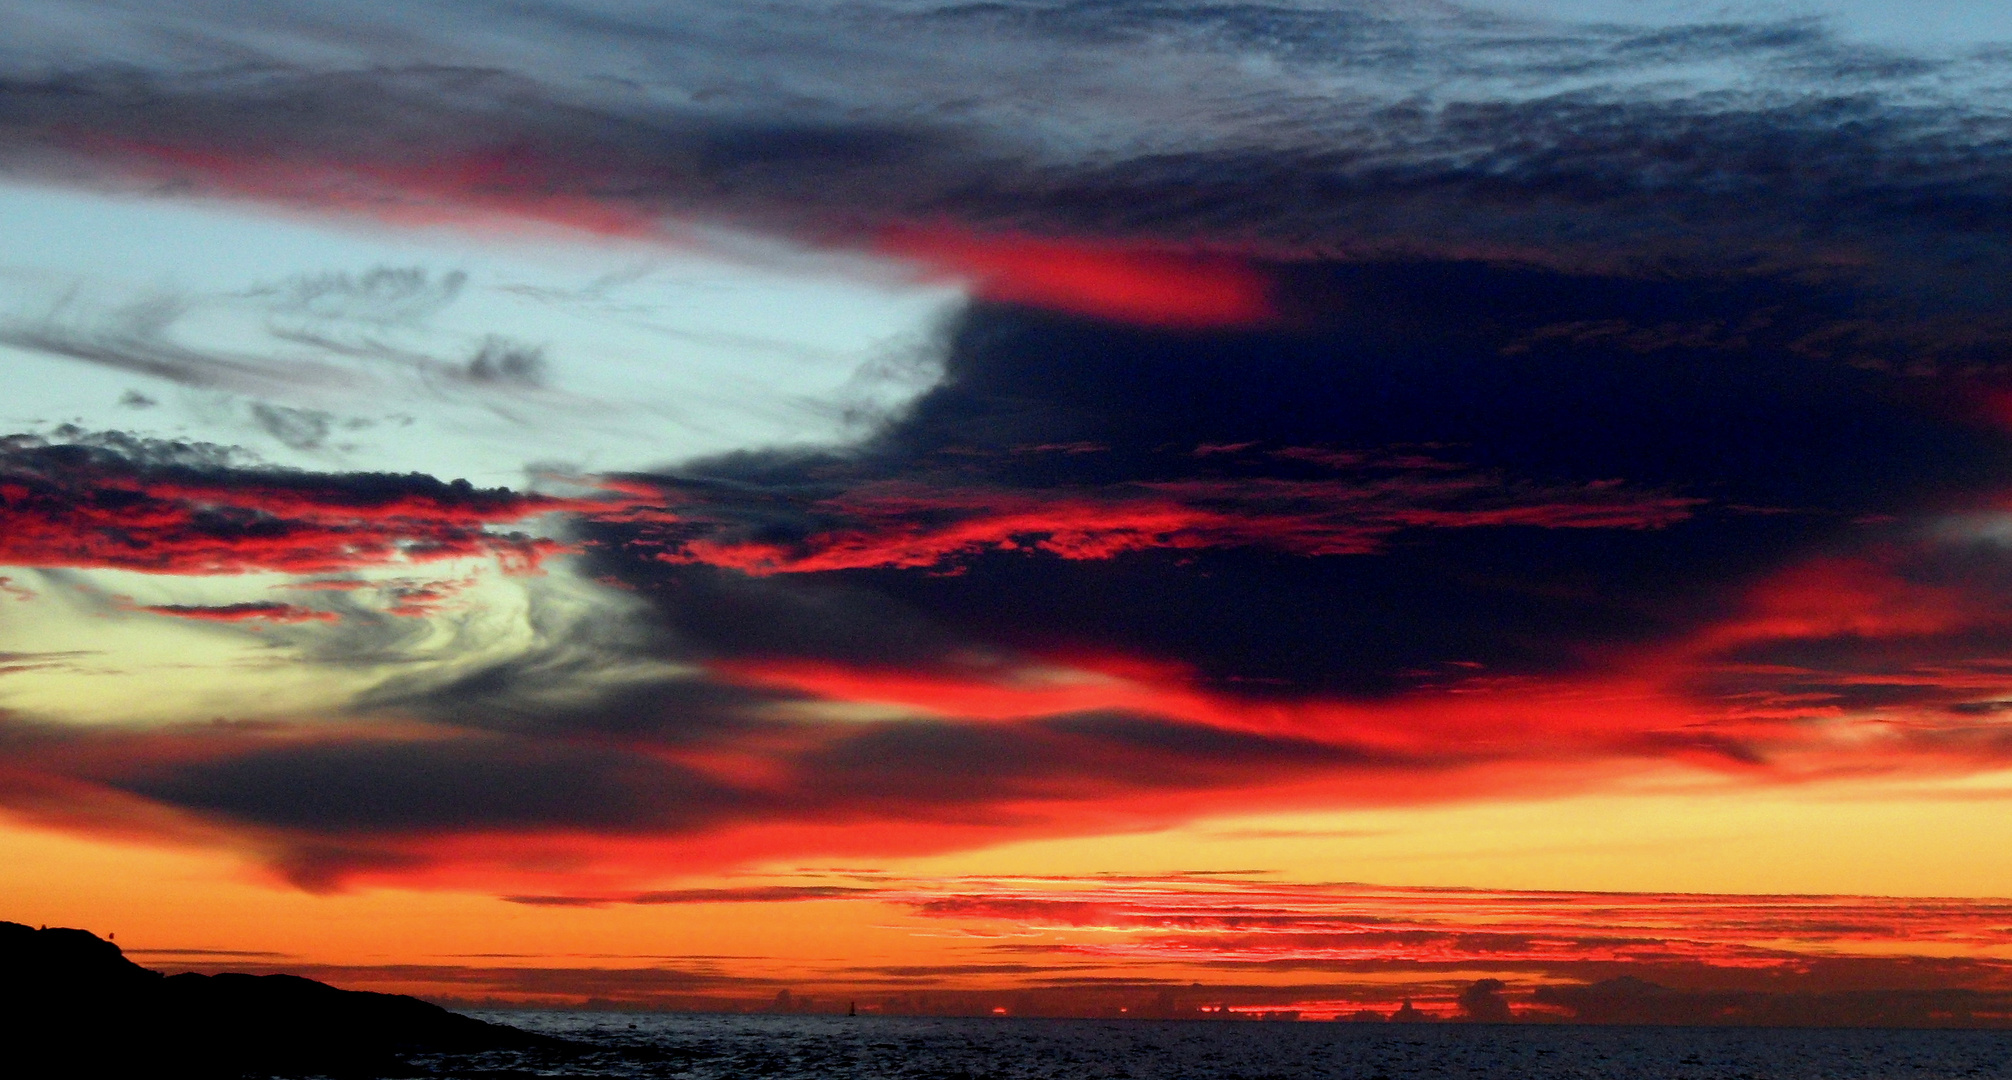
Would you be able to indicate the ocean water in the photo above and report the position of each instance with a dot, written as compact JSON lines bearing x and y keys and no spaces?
{"x":716,"y":1047}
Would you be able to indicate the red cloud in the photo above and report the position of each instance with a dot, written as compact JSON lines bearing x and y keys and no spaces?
{"x":1512,"y":729}
{"x":1010,"y":747}
{"x":1901,"y":658}
{"x":1130,"y":283}
{"x":1011,"y":754}
{"x":897,"y":524}
{"x":74,"y":507}
{"x":1228,"y":920}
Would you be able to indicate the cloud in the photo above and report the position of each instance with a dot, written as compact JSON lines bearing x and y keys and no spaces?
{"x":944,"y":635}
{"x":761,"y":894}
{"x":306,"y":352}
{"x":1483,"y":1003}
{"x":1163,"y":159}
{"x":361,"y":786}
{"x":301,"y":429}
{"x":1092,"y":945}
{"x":15,"y":662}
{"x":137,"y":336}
{"x":1128,"y":283}
{"x":178,"y":508}
{"x":354,"y":806}
{"x":911,"y":523}
{"x":249,"y":611}
{"x":1487,"y":501}
{"x":500,"y":361}
{"x":383,"y":295}
{"x":1822,"y":944}
{"x":1351,"y":399}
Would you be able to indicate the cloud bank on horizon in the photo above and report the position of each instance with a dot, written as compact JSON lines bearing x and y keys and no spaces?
{"x":1232,"y":946}
{"x":1357,"y":405}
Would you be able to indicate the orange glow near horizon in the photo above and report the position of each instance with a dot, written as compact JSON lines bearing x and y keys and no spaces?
{"x":882,"y":933}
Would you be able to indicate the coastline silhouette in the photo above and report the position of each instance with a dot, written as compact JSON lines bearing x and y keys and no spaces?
{"x":70,"y":997}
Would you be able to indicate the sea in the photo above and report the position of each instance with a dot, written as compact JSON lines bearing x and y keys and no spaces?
{"x":732,"y":1047}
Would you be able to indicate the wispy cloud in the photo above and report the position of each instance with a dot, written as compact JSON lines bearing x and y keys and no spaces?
{"x":183,"y":508}
{"x":1156,"y":148}
{"x":248,"y":611}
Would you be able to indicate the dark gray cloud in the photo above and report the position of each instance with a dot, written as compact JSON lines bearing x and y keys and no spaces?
{"x":593,"y":683}
{"x":324,"y":809}
{"x":370,"y":787}
{"x":139,"y":337}
{"x":1294,"y":130}
{"x":1424,"y":451}
{"x":382,"y":294}
{"x":164,"y":506}
{"x":502,"y":361}
{"x":301,"y":429}
{"x":291,"y":347}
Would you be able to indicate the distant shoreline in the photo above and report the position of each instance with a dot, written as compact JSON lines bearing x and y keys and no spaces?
{"x":49,"y":966}
{"x":67,"y":995}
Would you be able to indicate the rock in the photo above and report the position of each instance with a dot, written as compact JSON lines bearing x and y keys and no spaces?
{"x":73,"y":1001}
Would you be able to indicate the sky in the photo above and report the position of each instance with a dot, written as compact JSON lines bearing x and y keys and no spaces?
{"x":1083,"y":507}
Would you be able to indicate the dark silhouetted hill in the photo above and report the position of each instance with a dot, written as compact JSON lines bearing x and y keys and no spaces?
{"x":71,"y":1004}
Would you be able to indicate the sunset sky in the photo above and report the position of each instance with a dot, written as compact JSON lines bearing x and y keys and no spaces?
{"x":1047,"y":505}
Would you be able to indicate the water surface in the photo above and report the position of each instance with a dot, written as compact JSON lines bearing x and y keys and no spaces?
{"x":725,"y":1047}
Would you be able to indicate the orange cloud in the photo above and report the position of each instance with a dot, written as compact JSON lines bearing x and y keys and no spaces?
{"x":1232,"y":920}
{"x":1225,"y":944}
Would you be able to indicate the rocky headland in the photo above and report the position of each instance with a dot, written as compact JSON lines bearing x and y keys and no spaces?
{"x":72,"y":1004}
